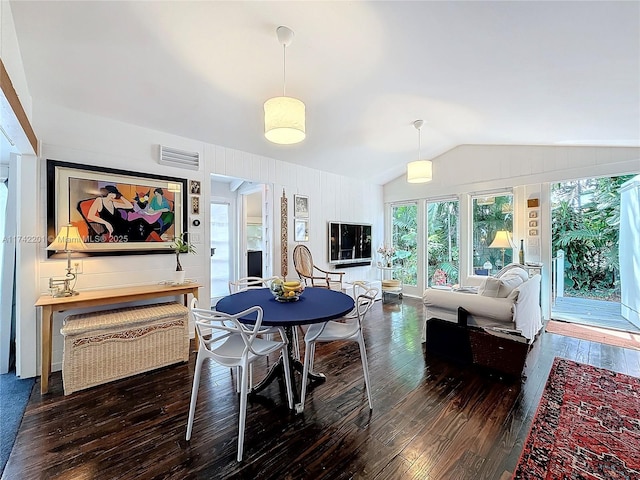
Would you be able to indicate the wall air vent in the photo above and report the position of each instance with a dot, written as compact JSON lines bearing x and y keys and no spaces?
{"x":179,"y":158}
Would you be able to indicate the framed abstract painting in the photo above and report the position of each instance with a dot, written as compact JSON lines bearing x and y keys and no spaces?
{"x":116,"y":211}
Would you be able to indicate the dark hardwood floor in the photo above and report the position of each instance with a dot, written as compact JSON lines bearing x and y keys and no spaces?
{"x":431,"y":419}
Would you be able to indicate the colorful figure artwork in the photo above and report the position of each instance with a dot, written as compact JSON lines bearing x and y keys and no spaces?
{"x":121,"y":213}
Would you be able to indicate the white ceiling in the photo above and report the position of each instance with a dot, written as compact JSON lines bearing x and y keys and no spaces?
{"x":549,"y":73}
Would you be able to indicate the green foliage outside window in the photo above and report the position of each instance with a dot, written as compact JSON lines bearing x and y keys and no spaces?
{"x":404,"y":238}
{"x":491,"y":214}
{"x":586,"y":225}
{"x":443,"y":243}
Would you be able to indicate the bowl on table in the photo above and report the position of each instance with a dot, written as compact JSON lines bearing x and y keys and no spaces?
{"x":286,"y":291}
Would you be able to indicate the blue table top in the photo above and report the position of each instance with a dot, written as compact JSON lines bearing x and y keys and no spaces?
{"x":315,"y":305}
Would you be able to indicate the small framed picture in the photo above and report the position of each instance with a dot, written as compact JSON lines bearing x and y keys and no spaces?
{"x":533,"y":232}
{"x":301,"y":230}
{"x":533,"y":214}
{"x":533,"y":223}
{"x":195,"y":205}
{"x":301,"y":206}
{"x":194,"y":185}
{"x":533,"y":202}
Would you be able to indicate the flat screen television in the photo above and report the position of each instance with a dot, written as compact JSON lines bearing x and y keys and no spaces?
{"x":349,"y":243}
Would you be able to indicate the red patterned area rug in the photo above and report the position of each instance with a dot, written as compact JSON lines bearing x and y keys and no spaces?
{"x":587,"y":426}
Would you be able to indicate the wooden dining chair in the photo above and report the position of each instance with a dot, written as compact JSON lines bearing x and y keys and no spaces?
{"x":311,"y":274}
{"x":226,"y":341}
{"x":348,"y":330}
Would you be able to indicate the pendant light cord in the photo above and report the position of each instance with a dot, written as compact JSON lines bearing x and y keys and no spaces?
{"x":284,"y":70}
{"x":419,"y":143}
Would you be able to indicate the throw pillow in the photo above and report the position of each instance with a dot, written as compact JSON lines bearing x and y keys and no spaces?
{"x":511,"y":269}
{"x":508,"y":283}
{"x":489,"y":287}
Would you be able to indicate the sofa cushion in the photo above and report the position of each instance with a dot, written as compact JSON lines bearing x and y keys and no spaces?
{"x":489,"y":287}
{"x":441,"y":302}
{"x":513,"y":269}
{"x":508,"y":283}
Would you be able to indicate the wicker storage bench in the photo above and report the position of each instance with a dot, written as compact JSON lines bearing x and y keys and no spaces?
{"x":105,"y":346}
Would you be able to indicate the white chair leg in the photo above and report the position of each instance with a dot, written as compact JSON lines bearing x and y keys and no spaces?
{"x":313,"y":356}
{"x":238,"y":375}
{"x":243,"y":410}
{"x":295,"y":343}
{"x":308,"y":352}
{"x":194,"y":394}
{"x":365,"y":368}
{"x":287,"y":379}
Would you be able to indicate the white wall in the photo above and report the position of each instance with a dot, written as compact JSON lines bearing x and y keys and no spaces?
{"x":11,"y":58}
{"x":85,"y":139}
{"x":474,"y":168}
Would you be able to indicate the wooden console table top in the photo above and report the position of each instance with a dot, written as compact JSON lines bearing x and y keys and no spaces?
{"x":94,"y":298}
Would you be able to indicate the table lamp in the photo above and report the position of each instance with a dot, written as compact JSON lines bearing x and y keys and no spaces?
{"x":502,"y":241}
{"x":68,"y":240}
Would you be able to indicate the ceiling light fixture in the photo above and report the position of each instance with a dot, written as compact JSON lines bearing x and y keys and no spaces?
{"x":284,"y":117}
{"x":420,"y":171}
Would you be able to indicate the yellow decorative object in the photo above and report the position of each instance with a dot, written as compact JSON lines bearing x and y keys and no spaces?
{"x":286,"y":291}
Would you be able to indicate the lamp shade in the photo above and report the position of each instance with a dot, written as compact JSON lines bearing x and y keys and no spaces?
{"x":68,"y":239}
{"x":502,"y":240}
{"x":284,"y":120}
{"x":420,"y":171}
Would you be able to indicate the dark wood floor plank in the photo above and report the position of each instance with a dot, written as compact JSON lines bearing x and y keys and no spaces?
{"x":431,"y":419}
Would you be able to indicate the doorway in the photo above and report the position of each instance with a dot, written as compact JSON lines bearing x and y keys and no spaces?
{"x":240,"y":232}
{"x":585,"y":249}
{"x":220,"y":243}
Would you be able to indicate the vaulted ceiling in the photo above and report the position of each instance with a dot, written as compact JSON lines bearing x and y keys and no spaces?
{"x":543,"y":73}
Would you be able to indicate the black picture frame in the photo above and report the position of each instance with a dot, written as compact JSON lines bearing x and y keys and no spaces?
{"x":73,"y":188}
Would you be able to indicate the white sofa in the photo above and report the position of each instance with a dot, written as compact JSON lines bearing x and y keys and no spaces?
{"x":510,"y":300}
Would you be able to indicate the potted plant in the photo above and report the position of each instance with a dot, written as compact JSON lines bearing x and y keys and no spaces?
{"x":181,"y":245}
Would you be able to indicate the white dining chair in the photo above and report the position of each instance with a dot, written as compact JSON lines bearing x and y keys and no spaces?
{"x":223,"y":339}
{"x":248,"y":283}
{"x":348,"y":330}
{"x":240,"y":285}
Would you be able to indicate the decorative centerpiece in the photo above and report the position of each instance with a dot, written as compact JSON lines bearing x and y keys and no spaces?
{"x":387,"y":255}
{"x":286,"y":291}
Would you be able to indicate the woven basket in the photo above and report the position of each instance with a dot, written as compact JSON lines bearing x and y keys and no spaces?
{"x":110,"y":345}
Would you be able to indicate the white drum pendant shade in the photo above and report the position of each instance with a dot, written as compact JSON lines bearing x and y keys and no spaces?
{"x":284,"y":120}
{"x":419,"y":171}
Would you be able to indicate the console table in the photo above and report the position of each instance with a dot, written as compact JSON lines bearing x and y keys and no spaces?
{"x":49,"y":305}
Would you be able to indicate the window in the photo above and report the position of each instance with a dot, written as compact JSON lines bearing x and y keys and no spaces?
{"x":404,"y":237}
{"x":491,"y":214}
{"x":443,"y":242}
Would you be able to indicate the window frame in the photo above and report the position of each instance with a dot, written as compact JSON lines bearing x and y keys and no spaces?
{"x":471,"y":246}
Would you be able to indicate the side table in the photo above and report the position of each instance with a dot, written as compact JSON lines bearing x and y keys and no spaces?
{"x":389,"y":285}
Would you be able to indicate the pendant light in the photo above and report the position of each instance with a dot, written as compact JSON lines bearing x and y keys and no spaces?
{"x":284,"y":117}
{"x":419,"y":171}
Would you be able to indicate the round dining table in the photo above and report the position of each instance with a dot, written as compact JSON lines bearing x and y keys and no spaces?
{"x":315,"y":305}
